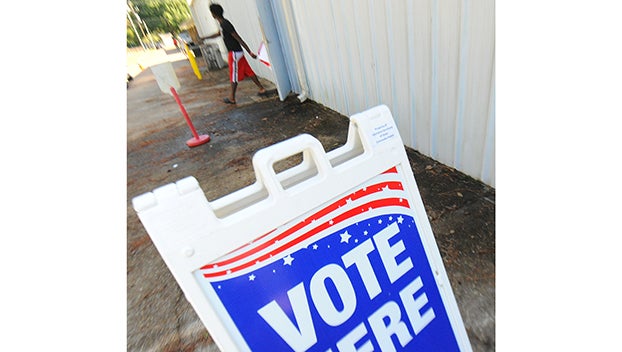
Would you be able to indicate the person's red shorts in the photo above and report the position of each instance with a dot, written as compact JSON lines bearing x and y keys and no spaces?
{"x":239,"y":67}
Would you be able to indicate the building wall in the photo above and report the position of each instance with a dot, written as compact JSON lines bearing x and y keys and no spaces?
{"x":243,"y":14}
{"x":431,"y":62}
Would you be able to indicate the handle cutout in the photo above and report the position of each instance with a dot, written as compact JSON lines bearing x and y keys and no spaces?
{"x":295,"y":169}
{"x":287,"y":163}
{"x":314,"y":163}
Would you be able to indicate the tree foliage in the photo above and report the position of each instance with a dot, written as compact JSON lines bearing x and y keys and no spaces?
{"x":160,"y":16}
{"x":132,"y":40}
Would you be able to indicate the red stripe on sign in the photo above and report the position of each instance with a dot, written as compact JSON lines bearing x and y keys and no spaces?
{"x":390,"y":185}
{"x":392,"y":170}
{"x":386,"y":202}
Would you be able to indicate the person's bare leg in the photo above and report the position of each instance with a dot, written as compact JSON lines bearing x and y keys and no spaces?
{"x":234,"y":86}
{"x":261,"y":88}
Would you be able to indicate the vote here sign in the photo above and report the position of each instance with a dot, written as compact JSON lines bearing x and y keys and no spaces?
{"x":352,"y":275}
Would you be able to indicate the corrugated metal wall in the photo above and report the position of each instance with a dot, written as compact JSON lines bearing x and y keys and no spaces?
{"x":430,"y":61}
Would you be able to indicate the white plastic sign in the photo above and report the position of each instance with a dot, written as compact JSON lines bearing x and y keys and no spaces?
{"x":166,"y":77}
{"x":262,"y":55}
{"x":335,"y":254}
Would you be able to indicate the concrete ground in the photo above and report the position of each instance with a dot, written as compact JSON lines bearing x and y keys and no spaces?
{"x":461,"y":210}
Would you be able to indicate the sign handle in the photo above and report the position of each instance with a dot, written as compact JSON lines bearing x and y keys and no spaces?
{"x":313,"y":155}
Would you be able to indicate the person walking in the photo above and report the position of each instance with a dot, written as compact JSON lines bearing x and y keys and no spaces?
{"x":239,"y":68}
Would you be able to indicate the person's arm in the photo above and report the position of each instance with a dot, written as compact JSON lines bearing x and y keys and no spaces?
{"x":243,"y":44}
{"x":211,"y":36}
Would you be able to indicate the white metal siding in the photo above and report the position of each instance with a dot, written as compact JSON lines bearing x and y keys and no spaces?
{"x":421,"y":15}
{"x":430,"y":61}
{"x":478,"y":91}
{"x":448,"y":53}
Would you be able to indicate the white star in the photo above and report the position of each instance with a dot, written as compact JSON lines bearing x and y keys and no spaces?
{"x":364,"y":188}
{"x":369,"y":209}
{"x":400,"y":219}
{"x":345,"y":237}
{"x":380,"y":221}
{"x":273,"y":271}
{"x":252,"y":277}
{"x":348,"y":201}
{"x":219,"y":287}
{"x":330,"y":222}
{"x":356,"y":240}
{"x":401,"y":200}
{"x":314,"y":246}
{"x":390,"y":218}
{"x":365,"y":232}
{"x":229,"y":271}
{"x":288,"y":260}
{"x":385,"y":188}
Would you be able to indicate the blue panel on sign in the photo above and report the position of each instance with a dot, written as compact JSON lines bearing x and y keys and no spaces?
{"x":318,"y":297}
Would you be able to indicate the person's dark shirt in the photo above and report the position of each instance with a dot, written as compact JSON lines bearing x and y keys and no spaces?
{"x":227,"y":28}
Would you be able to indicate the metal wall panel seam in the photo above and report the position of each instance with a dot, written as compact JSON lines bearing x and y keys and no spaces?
{"x":423,"y":27}
{"x":434,"y":101}
{"x":354,"y":52}
{"x":478,"y":85}
{"x":372,"y":22}
{"x":340,"y":59}
{"x":328,"y":60}
{"x":401,"y":89}
{"x":286,"y":45}
{"x":352,"y":105}
{"x":304,"y":44}
{"x":448,"y":64}
{"x":411,"y":74}
{"x":294,"y":35}
{"x":487,"y":173}
{"x":464,"y":45}
{"x":359,"y":52}
{"x":392,"y":52}
{"x":317,"y":32}
{"x":321,"y":94}
{"x":383,"y":64}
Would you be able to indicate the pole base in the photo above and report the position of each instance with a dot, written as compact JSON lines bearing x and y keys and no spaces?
{"x":198,"y":141}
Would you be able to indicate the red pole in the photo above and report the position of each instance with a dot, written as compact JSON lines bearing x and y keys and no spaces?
{"x":197,"y":140}
{"x":183,"y":111}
